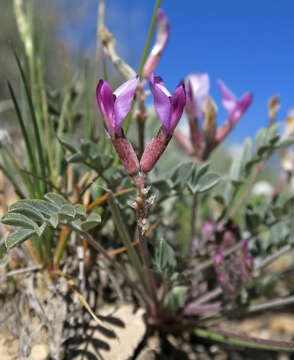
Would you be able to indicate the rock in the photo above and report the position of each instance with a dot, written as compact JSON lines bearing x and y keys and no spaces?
{"x":129,"y":329}
{"x":39,"y":352}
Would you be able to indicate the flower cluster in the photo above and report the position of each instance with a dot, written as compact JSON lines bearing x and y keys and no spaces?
{"x":200,"y":105}
{"x":233,"y":272}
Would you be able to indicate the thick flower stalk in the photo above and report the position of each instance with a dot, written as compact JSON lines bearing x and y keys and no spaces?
{"x":160,"y":43}
{"x":114,"y":107}
{"x":169,"y":109}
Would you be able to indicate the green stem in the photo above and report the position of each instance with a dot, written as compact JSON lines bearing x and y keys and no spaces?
{"x":61,"y":125}
{"x":244,"y":341}
{"x":89,"y":127}
{"x":47,"y":123}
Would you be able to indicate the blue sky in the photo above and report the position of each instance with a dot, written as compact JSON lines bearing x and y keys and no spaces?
{"x":248,"y":44}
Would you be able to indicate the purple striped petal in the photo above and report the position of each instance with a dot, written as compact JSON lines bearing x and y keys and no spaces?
{"x":162,"y":100}
{"x":105,"y":102}
{"x":229,"y":100}
{"x":124,"y":96}
{"x":177,"y":105}
{"x":197,"y":88}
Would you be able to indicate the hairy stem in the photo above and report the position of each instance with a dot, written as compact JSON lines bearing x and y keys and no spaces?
{"x":141,"y":215}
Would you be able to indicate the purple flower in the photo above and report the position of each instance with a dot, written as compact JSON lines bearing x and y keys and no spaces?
{"x":235,"y":107}
{"x":169,"y":107}
{"x":160,"y":43}
{"x":197,"y":88}
{"x":114,"y":106}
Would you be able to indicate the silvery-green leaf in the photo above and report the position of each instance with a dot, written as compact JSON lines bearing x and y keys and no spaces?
{"x":16,"y":219}
{"x":27,"y":210}
{"x":93,"y":220}
{"x":45,"y":207}
{"x":201,"y":169}
{"x":56,"y":199}
{"x":80,"y":210}
{"x":54,"y":220}
{"x":17,"y":237}
{"x":67,"y":210}
{"x":208,"y":181}
{"x":40,"y":230}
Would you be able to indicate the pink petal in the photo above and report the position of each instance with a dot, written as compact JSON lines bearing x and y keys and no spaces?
{"x":124,"y":96}
{"x":240,"y":108}
{"x":105,"y":102}
{"x":162,"y":100}
{"x":229,"y":100}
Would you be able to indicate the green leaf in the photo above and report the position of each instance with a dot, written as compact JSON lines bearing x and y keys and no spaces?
{"x":260,"y":139}
{"x":246,"y":151}
{"x":236,"y":167}
{"x":175,"y":299}
{"x":45,"y":207}
{"x":93,"y":220}
{"x":181,"y":174}
{"x":27,"y":210}
{"x":69,"y":145}
{"x":68,"y":211}
{"x":285,"y":143}
{"x":17,"y":237}
{"x":56,"y":199}
{"x":85,"y":147}
{"x":80,"y":210}
{"x":40,"y":230}
{"x":201,"y":169}
{"x":16,"y":219}
{"x":54,"y":220}
{"x":75,"y":158}
{"x":36,"y":124}
{"x":165,"y":259}
{"x":163,"y":185}
{"x":208,"y":181}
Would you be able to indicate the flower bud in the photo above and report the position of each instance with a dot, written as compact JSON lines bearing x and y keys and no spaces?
{"x":161,"y":40}
{"x":209,"y":122}
{"x":273,"y":107}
